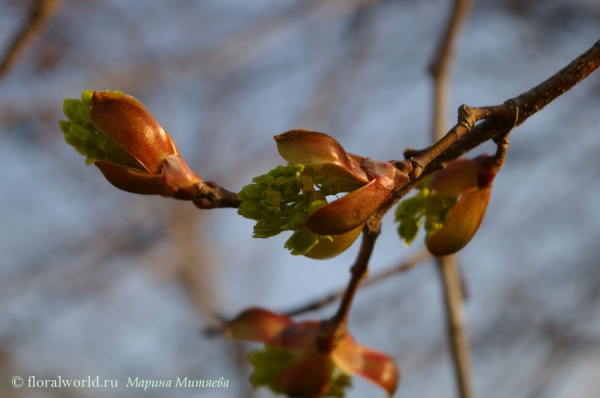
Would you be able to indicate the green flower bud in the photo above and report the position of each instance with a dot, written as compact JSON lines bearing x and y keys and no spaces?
{"x":118,"y":134}
{"x":81,"y":134}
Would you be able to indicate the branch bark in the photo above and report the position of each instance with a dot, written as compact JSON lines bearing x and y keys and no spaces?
{"x":498,"y":119}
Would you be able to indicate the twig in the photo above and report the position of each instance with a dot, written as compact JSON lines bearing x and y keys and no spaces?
{"x":499,"y":119}
{"x":41,"y":13}
{"x":213,"y":196}
{"x":358,"y":271}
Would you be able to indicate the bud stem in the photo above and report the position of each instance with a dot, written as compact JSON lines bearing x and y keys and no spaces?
{"x":359,"y":271}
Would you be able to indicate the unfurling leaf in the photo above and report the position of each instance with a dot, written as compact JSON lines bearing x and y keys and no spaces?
{"x":120,"y":136}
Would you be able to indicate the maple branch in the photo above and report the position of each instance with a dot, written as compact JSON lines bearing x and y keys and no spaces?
{"x":461,"y":138}
{"x":498,"y":119}
{"x":213,"y":196}
{"x":358,"y":271}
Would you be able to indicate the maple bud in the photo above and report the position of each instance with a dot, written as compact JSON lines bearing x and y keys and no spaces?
{"x":472,"y":179}
{"x":294,"y":197}
{"x":453,"y":202}
{"x":134,"y":153}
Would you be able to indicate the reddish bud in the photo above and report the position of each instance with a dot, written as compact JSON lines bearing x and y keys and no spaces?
{"x":320,"y":151}
{"x":308,"y":376}
{"x":472,"y":179}
{"x":126,"y":121}
{"x":257,"y":324}
{"x":462,"y":224}
{"x":349,"y":212}
{"x":163,"y":171}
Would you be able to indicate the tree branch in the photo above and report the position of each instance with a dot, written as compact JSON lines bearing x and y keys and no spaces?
{"x":213,"y":196}
{"x":358,"y":271}
{"x":410,"y":263}
{"x":498,"y":119}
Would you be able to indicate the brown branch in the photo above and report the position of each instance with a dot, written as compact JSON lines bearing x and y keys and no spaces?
{"x":358,"y":271}
{"x":41,"y":13}
{"x":495,"y":121}
{"x":213,"y":196}
{"x":499,"y":119}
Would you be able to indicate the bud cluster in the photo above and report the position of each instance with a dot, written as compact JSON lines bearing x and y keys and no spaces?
{"x":294,"y":197}
{"x":282,"y":200}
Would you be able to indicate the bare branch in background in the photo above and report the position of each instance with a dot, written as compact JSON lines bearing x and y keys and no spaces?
{"x":407,"y":265}
{"x":41,"y":13}
{"x":440,"y":69}
{"x":316,"y":304}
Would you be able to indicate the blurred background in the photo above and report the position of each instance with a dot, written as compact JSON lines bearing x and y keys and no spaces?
{"x":99,"y":282}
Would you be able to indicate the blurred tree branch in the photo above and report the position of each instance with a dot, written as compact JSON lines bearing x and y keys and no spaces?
{"x":41,"y":12}
{"x":406,"y":265}
{"x":440,"y":69}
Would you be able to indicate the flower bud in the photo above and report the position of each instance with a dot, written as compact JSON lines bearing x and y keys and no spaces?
{"x":126,"y":121}
{"x":134,"y":153}
{"x":472,"y":179}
